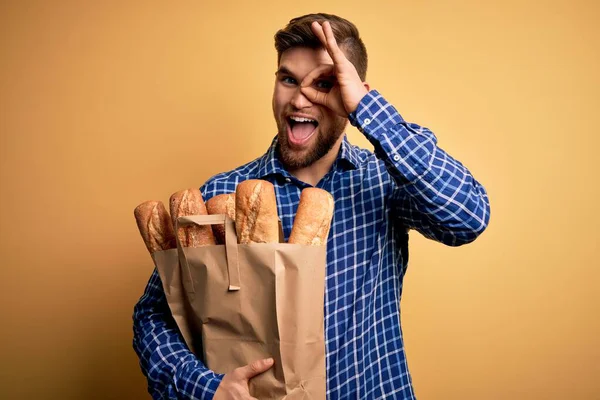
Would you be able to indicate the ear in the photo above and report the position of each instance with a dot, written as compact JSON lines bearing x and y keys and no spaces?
{"x":367,"y":86}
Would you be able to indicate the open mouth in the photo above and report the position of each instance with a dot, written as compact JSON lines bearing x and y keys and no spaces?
{"x":301,"y":129}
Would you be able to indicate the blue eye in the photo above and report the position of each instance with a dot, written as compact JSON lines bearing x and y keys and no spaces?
{"x":289,"y":80}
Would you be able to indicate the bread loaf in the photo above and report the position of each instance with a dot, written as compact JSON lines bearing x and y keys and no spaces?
{"x":313,"y":218}
{"x":190,"y":202}
{"x":221,"y":204}
{"x":256,"y":218}
{"x":155,"y":226}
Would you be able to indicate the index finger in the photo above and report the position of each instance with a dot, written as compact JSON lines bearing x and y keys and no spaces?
{"x":254,"y":368}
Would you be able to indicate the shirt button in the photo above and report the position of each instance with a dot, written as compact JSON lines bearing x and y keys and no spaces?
{"x":367,"y":121}
{"x":396,"y":157}
{"x":288,"y":180}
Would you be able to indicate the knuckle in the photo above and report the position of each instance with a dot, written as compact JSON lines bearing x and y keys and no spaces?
{"x":256,"y":365}
{"x":238,"y":373}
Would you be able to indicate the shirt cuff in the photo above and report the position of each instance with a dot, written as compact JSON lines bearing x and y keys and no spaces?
{"x":372,"y":112}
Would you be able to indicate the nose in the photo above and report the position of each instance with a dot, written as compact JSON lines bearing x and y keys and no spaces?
{"x":299,"y":100}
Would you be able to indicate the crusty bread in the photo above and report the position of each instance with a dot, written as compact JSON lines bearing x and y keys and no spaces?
{"x":313,"y":218}
{"x":190,"y":202}
{"x":256,"y":218}
{"x":155,"y":226}
{"x":221,"y":204}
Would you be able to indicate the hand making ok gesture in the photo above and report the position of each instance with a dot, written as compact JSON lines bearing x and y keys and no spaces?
{"x":348,"y":90}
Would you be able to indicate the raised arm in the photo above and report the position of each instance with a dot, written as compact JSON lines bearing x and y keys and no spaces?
{"x":435,"y":194}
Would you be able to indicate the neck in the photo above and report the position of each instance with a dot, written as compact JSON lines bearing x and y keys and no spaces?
{"x":313,"y":173}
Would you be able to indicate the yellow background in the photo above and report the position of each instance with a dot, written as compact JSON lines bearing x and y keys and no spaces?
{"x":107,"y":104}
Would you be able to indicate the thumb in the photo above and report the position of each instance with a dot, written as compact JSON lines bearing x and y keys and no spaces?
{"x":255,"y":368}
{"x":331,"y":99}
{"x":314,"y":96}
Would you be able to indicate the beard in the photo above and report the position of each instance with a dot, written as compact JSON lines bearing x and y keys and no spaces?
{"x":326,"y":137}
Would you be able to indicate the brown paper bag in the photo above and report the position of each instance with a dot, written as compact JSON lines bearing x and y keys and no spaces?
{"x":236,"y":303}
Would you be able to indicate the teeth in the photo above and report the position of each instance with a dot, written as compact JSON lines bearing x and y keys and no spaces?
{"x":300,"y":119}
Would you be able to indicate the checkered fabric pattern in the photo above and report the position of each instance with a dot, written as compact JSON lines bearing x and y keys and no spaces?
{"x":409,"y":183}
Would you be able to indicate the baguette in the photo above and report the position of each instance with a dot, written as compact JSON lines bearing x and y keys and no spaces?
{"x":155,"y":226}
{"x":221,"y":204}
{"x":190,"y":202}
{"x":313,"y":218}
{"x":256,"y":219}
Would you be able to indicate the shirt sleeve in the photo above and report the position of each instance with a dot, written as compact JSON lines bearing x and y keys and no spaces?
{"x":435,"y":194}
{"x":172,"y":370}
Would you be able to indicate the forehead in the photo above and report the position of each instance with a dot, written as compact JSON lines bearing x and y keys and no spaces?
{"x":301,"y":60}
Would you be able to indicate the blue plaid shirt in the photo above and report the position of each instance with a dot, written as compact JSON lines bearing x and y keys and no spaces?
{"x":409,"y":183}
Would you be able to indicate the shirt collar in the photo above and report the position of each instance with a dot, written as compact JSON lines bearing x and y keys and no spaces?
{"x":269,"y":163}
{"x":348,"y":158}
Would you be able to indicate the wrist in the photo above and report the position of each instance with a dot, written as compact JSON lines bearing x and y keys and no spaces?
{"x":353,"y":105}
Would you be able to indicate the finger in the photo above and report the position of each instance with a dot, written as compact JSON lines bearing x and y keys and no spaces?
{"x":314,"y":96}
{"x":332,"y":47}
{"x":318,"y":31}
{"x":254,"y":368}
{"x":321,"y":70}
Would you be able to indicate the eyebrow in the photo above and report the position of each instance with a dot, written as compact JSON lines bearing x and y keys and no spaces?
{"x":283,"y":71}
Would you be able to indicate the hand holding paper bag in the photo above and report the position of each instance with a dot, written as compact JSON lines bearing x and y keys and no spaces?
{"x":235,"y":384}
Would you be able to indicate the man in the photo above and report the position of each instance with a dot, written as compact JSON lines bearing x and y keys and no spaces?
{"x":409,"y":183}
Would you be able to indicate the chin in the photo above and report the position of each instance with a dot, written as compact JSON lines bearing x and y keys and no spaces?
{"x":316,"y":147}
{"x":292,"y":157}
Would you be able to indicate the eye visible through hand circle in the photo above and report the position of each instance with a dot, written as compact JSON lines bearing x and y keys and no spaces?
{"x":324,"y":85}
